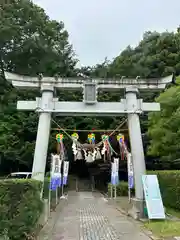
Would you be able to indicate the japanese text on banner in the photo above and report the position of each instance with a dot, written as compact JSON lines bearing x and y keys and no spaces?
{"x":65,"y":172}
{"x":116,"y":162}
{"x":56,"y":163}
{"x":113,"y":173}
{"x":130,"y":171}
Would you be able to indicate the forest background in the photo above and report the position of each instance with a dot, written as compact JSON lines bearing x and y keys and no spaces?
{"x":32,"y":43}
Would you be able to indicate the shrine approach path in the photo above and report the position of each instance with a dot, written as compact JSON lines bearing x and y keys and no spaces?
{"x":88,"y":216}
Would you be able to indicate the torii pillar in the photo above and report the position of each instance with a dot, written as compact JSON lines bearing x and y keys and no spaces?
{"x":137,"y":151}
{"x":43,"y":132}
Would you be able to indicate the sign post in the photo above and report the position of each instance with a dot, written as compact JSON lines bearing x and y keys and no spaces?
{"x":114,"y":176}
{"x":116,"y":162}
{"x":154,"y":204}
{"x":111,"y":191}
{"x":65,"y":176}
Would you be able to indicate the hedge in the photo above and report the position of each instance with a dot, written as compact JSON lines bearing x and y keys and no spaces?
{"x":20,"y":208}
{"x":169,"y":182}
{"x":121,"y":189}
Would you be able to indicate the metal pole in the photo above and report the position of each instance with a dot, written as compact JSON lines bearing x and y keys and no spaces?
{"x":62,"y":190}
{"x":111,"y":191}
{"x":42,"y":139}
{"x":115,"y":192}
{"x":58,"y":192}
{"x":129,"y":194}
{"x":136,"y":147}
{"x":76,"y":185}
{"x":49,"y":201}
{"x":92,"y":183}
{"x":56,"y":195}
{"x":49,"y":195}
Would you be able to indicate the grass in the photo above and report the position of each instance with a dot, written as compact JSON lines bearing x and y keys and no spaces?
{"x":164,"y":228}
{"x":173,"y":212}
{"x":159,"y":228}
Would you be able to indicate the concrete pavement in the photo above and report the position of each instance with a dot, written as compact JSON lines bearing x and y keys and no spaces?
{"x":88,"y":216}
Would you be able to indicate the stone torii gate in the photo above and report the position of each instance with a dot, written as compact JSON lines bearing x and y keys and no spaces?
{"x":132,"y":106}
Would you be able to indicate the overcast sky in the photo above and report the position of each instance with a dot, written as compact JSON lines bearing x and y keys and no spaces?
{"x":103,"y":28}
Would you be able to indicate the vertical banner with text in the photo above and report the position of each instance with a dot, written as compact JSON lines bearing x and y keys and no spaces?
{"x":55,"y":177}
{"x":113,"y":173}
{"x":116,"y":162}
{"x":130,"y":171}
{"x":65,"y":172}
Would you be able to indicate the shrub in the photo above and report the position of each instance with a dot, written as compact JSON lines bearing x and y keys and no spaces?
{"x":20,"y":207}
{"x":121,"y":188}
{"x":169,"y":182}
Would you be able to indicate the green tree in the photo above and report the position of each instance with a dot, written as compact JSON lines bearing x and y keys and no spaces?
{"x":30,"y":43}
{"x":164,"y":126}
{"x":158,"y":54}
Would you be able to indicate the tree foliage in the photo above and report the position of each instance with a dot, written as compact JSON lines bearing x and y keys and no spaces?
{"x":164,"y":127}
{"x":32,"y":43}
{"x":158,"y":54}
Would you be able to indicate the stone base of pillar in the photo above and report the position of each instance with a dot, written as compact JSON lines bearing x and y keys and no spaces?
{"x":137,"y":211}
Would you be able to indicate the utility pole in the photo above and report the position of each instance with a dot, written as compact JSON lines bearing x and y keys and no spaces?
{"x":131,"y":106}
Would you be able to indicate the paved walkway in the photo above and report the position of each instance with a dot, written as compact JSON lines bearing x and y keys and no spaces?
{"x":88,"y":216}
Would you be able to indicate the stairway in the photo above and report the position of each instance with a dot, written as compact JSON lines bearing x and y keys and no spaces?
{"x":84,"y":185}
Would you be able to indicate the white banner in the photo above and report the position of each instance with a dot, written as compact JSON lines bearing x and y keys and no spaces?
{"x":66,"y":168}
{"x":56,"y":166}
{"x":116,"y":162}
{"x":130,"y":165}
{"x":113,"y":173}
{"x":113,"y":169}
{"x":65,"y":171}
{"x":56,"y":163}
{"x":130,"y":170}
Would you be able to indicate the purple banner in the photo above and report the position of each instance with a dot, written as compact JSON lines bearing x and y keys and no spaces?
{"x":53,"y":184}
{"x":59,"y":181}
{"x":113,"y":180}
{"x":117,"y":179}
{"x":64,"y":180}
{"x":131,"y":181}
